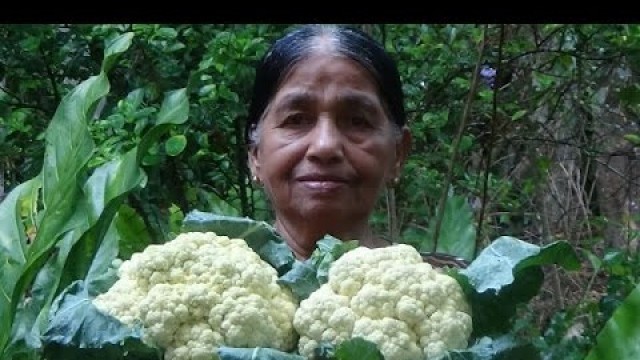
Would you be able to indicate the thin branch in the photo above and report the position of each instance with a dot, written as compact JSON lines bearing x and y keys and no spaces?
{"x":50,"y":75}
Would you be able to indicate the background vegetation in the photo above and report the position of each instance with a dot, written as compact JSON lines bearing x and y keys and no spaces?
{"x":523,"y":130}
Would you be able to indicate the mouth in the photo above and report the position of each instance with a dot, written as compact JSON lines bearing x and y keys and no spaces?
{"x":323,"y":183}
{"x":322,"y":178}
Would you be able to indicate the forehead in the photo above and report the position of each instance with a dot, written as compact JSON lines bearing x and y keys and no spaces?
{"x":327,"y":72}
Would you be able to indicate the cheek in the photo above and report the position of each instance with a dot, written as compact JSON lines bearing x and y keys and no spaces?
{"x":375,"y":161}
{"x":278,"y":160}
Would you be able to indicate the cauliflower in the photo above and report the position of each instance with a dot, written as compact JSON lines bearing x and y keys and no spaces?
{"x":390,"y":297}
{"x":201,"y":291}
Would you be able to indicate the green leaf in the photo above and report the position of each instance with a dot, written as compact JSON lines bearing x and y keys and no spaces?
{"x":227,"y":353}
{"x":102,"y":274}
{"x":502,"y":348}
{"x":113,"y":49}
{"x":76,"y":327}
{"x":32,"y":315}
{"x":175,"y":145}
{"x":507,"y":273}
{"x":174,"y":111}
{"x":634,"y":139}
{"x":307,"y":276}
{"x":13,"y":248}
{"x":457,"y":232}
{"x":497,"y":265}
{"x":175,"y":108}
{"x":68,"y":148}
{"x":259,"y":235}
{"x":301,"y":279}
{"x":518,"y":115}
{"x":358,"y":348}
{"x":135,"y":98}
{"x":328,"y":250}
{"x":620,"y":337}
{"x":133,"y":233}
{"x":103,"y":192}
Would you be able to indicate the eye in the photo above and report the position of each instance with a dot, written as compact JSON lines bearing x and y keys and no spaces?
{"x":359,"y":121}
{"x":296,"y":120}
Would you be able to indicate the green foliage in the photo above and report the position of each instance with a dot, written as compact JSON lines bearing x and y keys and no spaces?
{"x":548,"y":76}
{"x":78,"y":329}
{"x":74,"y":214}
{"x":505,"y":274}
{"x":355,"y":348}
{"x":621,"y":332}
{"x":502,"y":348}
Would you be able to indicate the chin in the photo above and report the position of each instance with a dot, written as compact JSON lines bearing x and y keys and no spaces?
{"x":333,"y":213}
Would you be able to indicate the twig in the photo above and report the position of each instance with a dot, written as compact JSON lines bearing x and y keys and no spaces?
{"x":559,"y":298}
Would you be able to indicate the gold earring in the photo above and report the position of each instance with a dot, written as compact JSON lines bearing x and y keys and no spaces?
{"x":256,"y":180}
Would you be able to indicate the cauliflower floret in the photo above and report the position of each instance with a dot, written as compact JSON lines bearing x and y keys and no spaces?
{"x":390,"y":297}
{"x":201,"y":291}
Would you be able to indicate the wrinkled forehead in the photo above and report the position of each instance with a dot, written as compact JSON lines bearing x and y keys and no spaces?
{"x":325,"y":76}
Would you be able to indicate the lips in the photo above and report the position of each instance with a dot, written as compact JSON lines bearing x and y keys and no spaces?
{"x":322,"y":178}
{"x":323,"y":182}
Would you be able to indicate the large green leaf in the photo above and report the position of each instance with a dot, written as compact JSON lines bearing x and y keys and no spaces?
{"x":103,"y":194}
{"x":13,"y":247}
{"x":457,"y":233}
{"x":620,"y":337}
{"x":501,"y":348}
{"x":77,"y":215}
{"x":78,"y":327}
{"x":259,"y":235}
{"x":68,"y":147}
{"x":226,"y":353}
{"x":103,"y":274}
{"x":505,"y":274}
{"x":31,"y":316}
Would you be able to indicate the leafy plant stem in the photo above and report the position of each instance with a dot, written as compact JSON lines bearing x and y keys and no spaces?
{"x":489,"y":146}
{"x":456,"y":142}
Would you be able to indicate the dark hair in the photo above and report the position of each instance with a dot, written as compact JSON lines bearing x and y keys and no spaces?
{"x":348,"y":41}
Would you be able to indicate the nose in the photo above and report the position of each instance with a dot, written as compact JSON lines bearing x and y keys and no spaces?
{"x":326,"y":143}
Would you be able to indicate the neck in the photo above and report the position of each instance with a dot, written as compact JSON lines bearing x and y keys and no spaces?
{"x":302,"y":236}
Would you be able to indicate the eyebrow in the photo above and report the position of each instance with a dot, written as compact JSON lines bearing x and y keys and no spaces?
{"x":349,"y":97}
{"x":360,"y":98}
{"x":294,"y":99}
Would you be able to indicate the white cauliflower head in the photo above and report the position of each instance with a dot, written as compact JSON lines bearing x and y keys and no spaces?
{"x":201,"y":291}
{"x":390,"y":297}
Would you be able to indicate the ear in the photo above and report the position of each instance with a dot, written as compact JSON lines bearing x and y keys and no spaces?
{"x":403,"y":147}
{"x":254,"y":163}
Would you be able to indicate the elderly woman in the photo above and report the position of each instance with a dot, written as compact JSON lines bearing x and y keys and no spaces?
{"x":327,"y":133}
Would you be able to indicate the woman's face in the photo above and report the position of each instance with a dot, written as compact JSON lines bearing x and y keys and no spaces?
{"x":325,"y":146}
